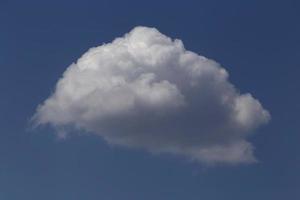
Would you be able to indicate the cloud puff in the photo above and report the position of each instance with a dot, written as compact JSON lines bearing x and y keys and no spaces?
{"x":145,"y":90}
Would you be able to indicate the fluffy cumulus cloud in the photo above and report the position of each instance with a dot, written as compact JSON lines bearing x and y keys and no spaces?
{"x":145,"y":90}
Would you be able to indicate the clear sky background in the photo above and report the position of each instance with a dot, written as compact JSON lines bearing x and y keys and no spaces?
{"x":256,"y":41}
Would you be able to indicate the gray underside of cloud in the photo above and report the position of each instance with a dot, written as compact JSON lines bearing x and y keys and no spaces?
{"x":145,"y":90}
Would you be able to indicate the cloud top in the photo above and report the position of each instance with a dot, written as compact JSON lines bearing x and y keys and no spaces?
{"x":145,"y":90}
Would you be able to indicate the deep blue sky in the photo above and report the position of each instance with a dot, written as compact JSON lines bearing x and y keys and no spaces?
{"x":257,"y":41}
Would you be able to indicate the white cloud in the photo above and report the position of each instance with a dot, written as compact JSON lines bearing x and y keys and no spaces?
{"x":144,"y":90}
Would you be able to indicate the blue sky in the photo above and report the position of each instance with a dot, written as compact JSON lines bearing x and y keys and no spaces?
{"x":256,"y":41}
